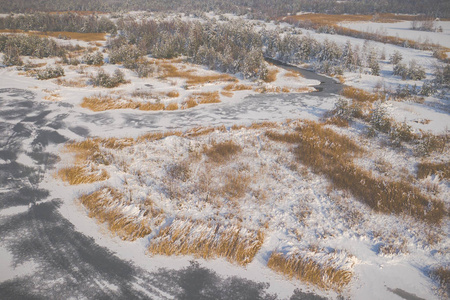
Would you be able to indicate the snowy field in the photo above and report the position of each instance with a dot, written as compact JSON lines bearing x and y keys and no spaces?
{"x":403,"y":30}
{"x":296,"y":210}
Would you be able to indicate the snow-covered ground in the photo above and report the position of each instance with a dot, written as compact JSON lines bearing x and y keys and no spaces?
{"x":403,"y":30}
{"x":376,"y":276}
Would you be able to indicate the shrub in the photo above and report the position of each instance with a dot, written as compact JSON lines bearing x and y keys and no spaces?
{"x":429,"y":143}
{"x":11,"y":57}
{"x":50,"y":72}
{"x":93,"y":59}
{"x":396,"y":58}
{"x":415,"y":71}
{"x":347,"y":110}
{"x":401,"y":70}
{"x":401,"y":133}
{"x":105,"y":80}
{"x":379,"y":119}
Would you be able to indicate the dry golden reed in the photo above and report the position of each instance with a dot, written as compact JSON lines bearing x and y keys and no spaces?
{"x":305,"y":269}
{"x":331,"y":154}
{"x":171,"y":71}
{"x":222,"y":152}
{"x":80,"y":175}
{"x":425,"y":169}
{"x":207,"y":240}
{"x":359,"y":94}
{"x":104,"y":205}
{"x":271,"y":75}
{"x":78,"y":83}
{"x":237,"y":87}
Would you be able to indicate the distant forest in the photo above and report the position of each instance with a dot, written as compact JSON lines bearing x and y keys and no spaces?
{"x":257,"y":8}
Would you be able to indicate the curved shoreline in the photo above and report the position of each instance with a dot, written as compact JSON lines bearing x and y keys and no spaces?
{"x":327,"y":85}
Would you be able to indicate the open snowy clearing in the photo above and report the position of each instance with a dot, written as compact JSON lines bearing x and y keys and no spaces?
{"x":403,"y":30}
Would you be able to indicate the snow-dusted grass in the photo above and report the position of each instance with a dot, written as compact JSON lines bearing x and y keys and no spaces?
{"x":285,"y":192}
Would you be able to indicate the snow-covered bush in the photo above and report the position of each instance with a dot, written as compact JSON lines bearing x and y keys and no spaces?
{"x":415,"y":71}
{"x":379,"y":119}
{"x":106,"y":80}
{"x":50,"y":72}
{"x":396,"y":58}
{"x":401,"y":132}
{"x":11,"y":57}
{"x":93,"y":58}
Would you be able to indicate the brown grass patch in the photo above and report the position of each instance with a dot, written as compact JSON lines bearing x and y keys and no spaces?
{"x":271,"y":75}
{"x":52,"y":97}
{"x":331,"y":20}
{"x":442,"y":275}
{"x":359,"y":94}
{"x":223,"y":151}
{"x":189,"y":103}
{"x":78,"y":83}
{"x":425,"y":169}
{"x":87,"y":37}
{"x":265,"y":124}
{"x":173,"y":94}
{"x":208,"y":240}
{"x":102,"y":103}
{"x":151,"y":106}
{"x":295,"y":266}
{"x":331,"y":155}
{"x":171,"y":71}
{"x":81,"y":174}
{"x":200,"y":131}
{"x":206,"y":97}
{"x":236,"y":184}
{"x":227,"y":94}
{"x":292,"y":74}
{"x":237,"y":87}
{"x":103,"y":205}
{"x":172,"y":106}
{"x":154,"y":136}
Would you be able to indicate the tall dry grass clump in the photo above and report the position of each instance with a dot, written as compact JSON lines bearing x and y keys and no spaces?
{"x":359,"y":94}
{"x":102,"y":103}
{"x":330,"y":154}
{"x":150,"y":106}
{"x":154,"y":136}
{"x":222,"y":152}
{"x":207,"y":240}
{"x":104,"y":205}
{"x":237,"y":87}
{"x":82,"y":174}
{"x":172,"y":106}
{"x":425,"y":169}
{"x":88,"y":156}
{"x":171,"y":71}
{"x":442,"y":275}
{"x":271,"y":75}
{"x":305,"y":269}
{"x":204,"y":97}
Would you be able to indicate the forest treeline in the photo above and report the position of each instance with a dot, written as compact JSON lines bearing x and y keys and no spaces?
{"x":232,"y":47}
{"x":58,"y":22}
{"x":257,"y":8}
